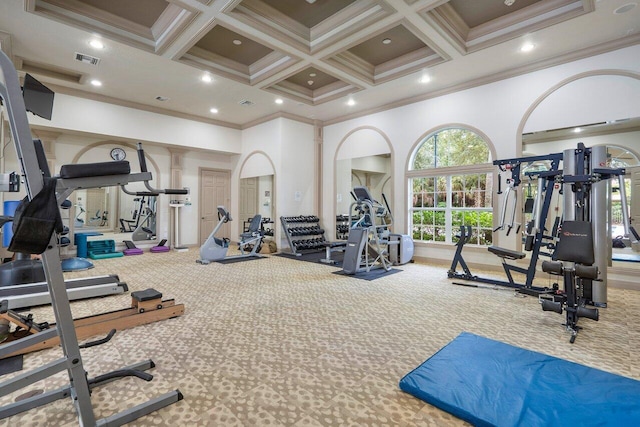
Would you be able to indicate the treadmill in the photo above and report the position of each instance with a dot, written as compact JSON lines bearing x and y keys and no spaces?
{"x":34,"y":294}
{"x":33,"y":290}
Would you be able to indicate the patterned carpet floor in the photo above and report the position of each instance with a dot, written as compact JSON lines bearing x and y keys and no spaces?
{"x":278,"y":342}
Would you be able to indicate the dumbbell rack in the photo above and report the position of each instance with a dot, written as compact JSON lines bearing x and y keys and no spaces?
{"x":303,"y":233}
{"x":342,"y":227}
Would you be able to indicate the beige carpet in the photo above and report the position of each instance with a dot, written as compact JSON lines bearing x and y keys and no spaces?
{"x":278,"y":342}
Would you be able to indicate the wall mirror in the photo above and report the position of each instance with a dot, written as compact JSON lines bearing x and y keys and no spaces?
{"x":137,"y":215}
{"x":601,"y":110}
{"x":257,"y":186}
{"x":109,"y":210}
{"x":94,"y":209}
{"x":363,"y":159}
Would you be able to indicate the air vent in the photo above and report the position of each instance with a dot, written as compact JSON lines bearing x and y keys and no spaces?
{"x":87,"y":59}
{"x":246,"y":103}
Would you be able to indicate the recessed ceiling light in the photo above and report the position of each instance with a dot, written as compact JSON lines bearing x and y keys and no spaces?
{"x":312,"y":74}
{"x":351,"y":102}
{"x":386,"y":41}
{"x":425,"y":79}
{"x":311,"y":1}
{"x":206,"y":78}
{"x":577,"y":130}
{"x":96,"y":44}
{"x":279,"y":101}
{"x":214,"y":111}
{"x":527,"y":47}
{"x":625,"y":8}
{"x":237,"y":42}
{"x":96,"y":83}
{"x":310,"y":82}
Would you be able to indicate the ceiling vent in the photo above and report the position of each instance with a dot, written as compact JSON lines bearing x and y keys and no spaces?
{"x":87,"y":59}
{"x":246,"y":103}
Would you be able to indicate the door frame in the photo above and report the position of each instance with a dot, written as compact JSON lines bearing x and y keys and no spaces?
{"x":200,"y":170}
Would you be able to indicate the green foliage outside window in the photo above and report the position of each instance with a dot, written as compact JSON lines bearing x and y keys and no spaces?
{"x":451,"y":147}
{"x":466,"y":199}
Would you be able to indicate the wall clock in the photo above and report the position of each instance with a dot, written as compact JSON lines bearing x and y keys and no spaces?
{"x":118,"y":154}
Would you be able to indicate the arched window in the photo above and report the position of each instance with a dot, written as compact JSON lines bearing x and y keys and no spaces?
{"x":451,"y":184}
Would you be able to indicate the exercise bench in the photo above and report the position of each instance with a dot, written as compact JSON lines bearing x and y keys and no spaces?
{"x":504,"y":254}
{"x":330,"y":247}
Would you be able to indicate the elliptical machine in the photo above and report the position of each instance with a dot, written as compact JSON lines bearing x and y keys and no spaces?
{"x":215,"y":249}
{"x":369,"y":236}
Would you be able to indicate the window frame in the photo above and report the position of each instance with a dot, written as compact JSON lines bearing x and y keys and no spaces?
{"x":447,"y":172}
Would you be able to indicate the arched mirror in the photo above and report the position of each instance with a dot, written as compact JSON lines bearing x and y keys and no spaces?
{"x":597,"y":110}
{"x":362,"y":159}
{"x":257,"y":187}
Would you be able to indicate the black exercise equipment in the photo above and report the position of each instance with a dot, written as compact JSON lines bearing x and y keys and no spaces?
{"x":303,"y":233}
{"x":575,"y":248}
{"x":583,"y":240}
{"x":535,"y":231}
{"x":129,"y":225}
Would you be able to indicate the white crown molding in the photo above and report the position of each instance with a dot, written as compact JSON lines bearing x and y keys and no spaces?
{"x":536,"y":66}
{"x":280,"y":115}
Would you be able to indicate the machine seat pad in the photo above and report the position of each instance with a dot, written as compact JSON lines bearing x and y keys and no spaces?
{"x":146,"y":295}
{"x":339,"y":244}
{"x":84,"y":170}
{"x":506,"y":253}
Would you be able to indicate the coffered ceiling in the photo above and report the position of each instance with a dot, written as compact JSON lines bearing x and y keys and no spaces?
{"x":313,"y":54}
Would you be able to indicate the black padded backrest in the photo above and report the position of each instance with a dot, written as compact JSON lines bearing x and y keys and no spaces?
{"x":42,"y":158}
{"x":86,"y":170}
{"x":576,"y":243}
{"x":255,"y":223}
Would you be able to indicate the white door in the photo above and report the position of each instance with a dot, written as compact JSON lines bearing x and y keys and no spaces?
{"x":215,"y":189}
{"x":248,"y":198}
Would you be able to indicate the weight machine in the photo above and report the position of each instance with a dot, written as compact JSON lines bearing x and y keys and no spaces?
{"x":146,"y":229}
{"x":129,"y":225}
{"x":581,"y":256}
{"x":36,"y":233}
{"x":535,"y":230}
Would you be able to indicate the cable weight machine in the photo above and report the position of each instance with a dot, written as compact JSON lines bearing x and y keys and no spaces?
{"x":536,"y":237}
{"x":582,"y":252}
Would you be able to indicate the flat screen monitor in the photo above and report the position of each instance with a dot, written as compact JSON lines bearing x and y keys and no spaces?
{"x":37,"y":97}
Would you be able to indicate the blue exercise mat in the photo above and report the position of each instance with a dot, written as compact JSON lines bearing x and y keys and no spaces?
{"x":634,"y":257}
{"x":487,"y":383}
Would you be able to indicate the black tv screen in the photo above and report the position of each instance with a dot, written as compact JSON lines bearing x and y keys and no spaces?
{"x":37,"y":97}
